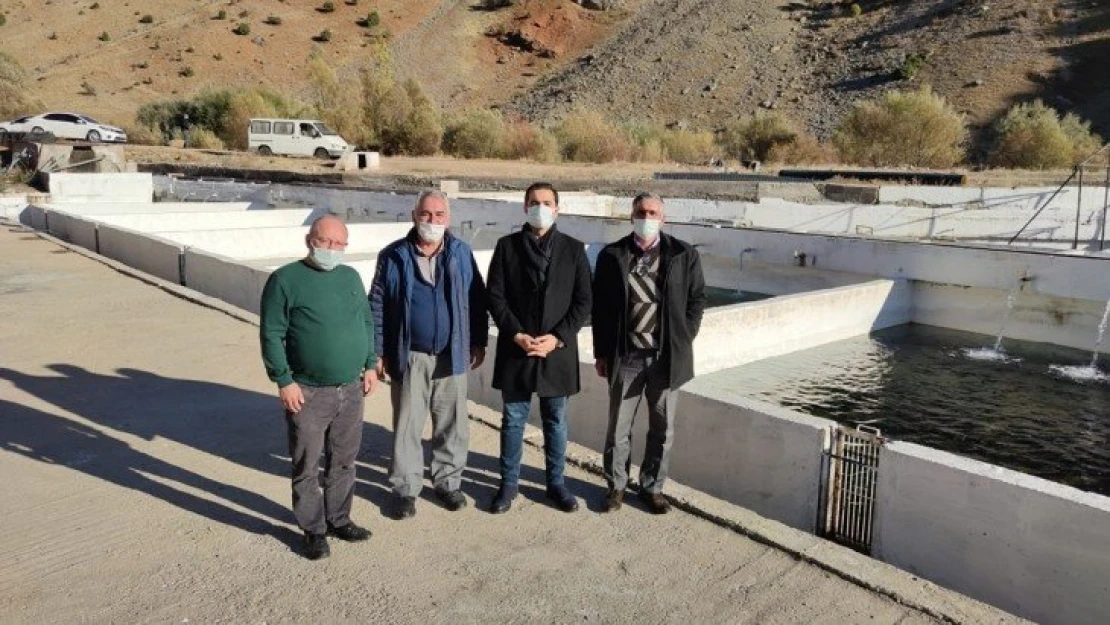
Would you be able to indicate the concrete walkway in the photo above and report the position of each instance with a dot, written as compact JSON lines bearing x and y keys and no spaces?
{"x":145,"y":479}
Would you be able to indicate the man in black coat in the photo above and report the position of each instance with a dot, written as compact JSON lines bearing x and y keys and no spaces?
{"x":539,"y":297}
{"x":648,"y":303}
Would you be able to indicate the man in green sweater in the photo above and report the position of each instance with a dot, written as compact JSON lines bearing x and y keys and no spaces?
{"x":318,"y":346}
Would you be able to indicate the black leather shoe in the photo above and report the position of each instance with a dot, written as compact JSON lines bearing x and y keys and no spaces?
{"x":406,"y":508}
{"x":655,"y":502}
{"x":350,"y":532}
{"x":316,"y":546}
{"x":562,"y":497}
{"x":614,"y":499}
{"x":453,"y":500}
{"x":504,"y":499}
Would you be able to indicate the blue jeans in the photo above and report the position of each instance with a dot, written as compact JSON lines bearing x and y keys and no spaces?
{"x":514,"y":415}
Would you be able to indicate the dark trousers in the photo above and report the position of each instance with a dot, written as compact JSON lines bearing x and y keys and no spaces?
{"x":330,"y":422}
{"x":632,"y":380}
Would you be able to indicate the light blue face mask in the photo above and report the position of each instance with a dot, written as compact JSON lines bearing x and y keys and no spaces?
{"x":540,"y":216}
{"x":327,"y":259}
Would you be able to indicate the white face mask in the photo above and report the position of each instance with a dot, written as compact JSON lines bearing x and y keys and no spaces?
{"x":540,"y":216}
{"x":647,"y":229}
{"x":327,"y":259}
{"x":429,"y":232}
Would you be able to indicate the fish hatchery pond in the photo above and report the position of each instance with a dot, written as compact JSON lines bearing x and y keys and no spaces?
{"x":919,"y":384}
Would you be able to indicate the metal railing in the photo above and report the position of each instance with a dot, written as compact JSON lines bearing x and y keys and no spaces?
{"x":847,"y":510}
{"x":1091,"y":167}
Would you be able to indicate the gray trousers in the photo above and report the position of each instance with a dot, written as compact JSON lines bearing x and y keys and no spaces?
{"x":632,"y":380}
{"x":330,"y":422}
{"x":428,"y":386}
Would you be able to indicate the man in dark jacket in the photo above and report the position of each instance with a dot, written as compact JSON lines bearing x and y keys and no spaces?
{"x":539,"y":296}
{"x":429,"y":307}
{"x":648,"y":303}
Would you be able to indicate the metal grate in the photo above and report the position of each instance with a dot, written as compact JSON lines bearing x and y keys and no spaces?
{"x":848,"y":493}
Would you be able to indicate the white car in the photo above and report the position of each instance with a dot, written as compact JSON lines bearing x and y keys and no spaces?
{"x":66,"y":126}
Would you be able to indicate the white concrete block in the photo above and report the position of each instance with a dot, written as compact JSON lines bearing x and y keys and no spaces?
{"x":225,"y":278}
{"x":121,"y":187}
{"x":1035,"y":548}
{"x":145,"y":252}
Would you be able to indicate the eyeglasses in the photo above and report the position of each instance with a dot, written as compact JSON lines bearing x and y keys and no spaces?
{"x":330,"y":244}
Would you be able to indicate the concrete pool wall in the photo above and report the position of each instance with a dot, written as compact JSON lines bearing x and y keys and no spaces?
{"x":1022,"y":543}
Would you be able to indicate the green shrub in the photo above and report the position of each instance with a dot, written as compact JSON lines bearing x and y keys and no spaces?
{"x":855,"y":9}
{"x":523,"y":140}
{"x":146,"y":19}
{"x":350,"y":3}
{"x":104,"y":36}
{"x":903,"y":128}
{"x":272,"y":20}
{"x":3,"y":19}
{"x":94,"y":6}
{"x":587,"y":137}
{"x":242,"y":28}
{"x":220,"y":15}
{"x":327,"y":7}
{"x":754,"y":138}
{"x":475,"y":134}
{"x":185,"y":72}
{"x":1034,"y":136}
{"x":324,"y":36}
{"x":911,"y":65}
{"x":371,"y":20}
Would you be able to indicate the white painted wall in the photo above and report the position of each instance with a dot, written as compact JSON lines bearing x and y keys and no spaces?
{"x":214,"y":220}
{"x":145,"y":252}
{"x":88,"y":187}
{"x":744,"y":333}
{"x":142,"y":208}
{"x":225,"y":278}
{"x":1035,"y":548}
{"x":283,"y":242}
{"x":1035,"y":317}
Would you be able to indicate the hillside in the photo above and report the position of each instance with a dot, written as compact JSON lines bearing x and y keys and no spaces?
{"x":689,"y":63}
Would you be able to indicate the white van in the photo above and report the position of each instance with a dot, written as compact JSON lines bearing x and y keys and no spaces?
{"x":297,"y":137}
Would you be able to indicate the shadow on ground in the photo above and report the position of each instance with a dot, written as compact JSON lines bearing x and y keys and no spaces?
{"x":239,"y":426}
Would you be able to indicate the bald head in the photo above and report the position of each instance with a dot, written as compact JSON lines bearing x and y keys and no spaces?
{"x":328,"y":232}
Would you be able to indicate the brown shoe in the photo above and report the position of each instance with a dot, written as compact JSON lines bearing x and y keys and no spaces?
{"x":656,"y":503}
{"x":614,"y":499}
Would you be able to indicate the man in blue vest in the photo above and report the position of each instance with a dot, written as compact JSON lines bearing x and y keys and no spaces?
{"x":429,"y":307}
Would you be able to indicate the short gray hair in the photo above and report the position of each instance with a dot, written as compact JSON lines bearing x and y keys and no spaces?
{"x":436,"y":193}
{"x":646,"y":195}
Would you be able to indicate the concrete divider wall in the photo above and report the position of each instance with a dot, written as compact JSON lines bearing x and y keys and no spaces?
{"x":76,"y":230}
{"x":13,"y":206}
{"x":143,"y":251}
{"x":94,"y":208}
{"x":1035,"y":317}
{"x":744,"y":333}
{"x":87,"y":187}
{"x":225,"y":278}
{"x":1035,"y":548}
{"x":187,"y":221}
{"x":283,"y":241}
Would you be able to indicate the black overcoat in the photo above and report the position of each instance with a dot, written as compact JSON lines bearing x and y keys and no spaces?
{"x":683,"y":302}
{"x":561,"y":309}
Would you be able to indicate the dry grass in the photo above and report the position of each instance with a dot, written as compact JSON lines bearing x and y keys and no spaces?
{"x":1034,"y":136}
{"x":916,"y":128}
{"x":587,"y":137}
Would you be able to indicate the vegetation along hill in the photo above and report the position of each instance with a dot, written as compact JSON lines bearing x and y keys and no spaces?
{"x":691,"y":65}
